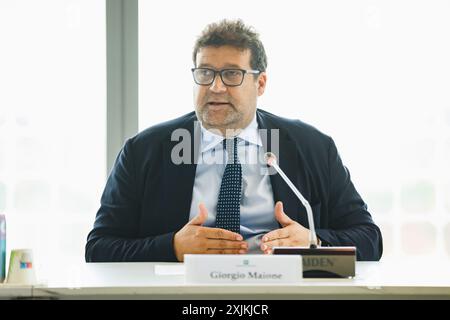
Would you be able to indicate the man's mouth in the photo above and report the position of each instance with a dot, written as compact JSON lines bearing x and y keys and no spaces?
{"x":218,"y":103}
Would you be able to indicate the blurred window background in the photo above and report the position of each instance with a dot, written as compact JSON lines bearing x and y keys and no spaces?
{"x":52,"y":123}
{"x":374,"y":75}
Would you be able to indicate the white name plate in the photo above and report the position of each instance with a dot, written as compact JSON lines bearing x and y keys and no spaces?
{"x":239,"y":268}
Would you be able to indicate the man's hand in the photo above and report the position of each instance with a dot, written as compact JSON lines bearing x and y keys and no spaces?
{"x":292,"y":234}
{"x":194,"y":238}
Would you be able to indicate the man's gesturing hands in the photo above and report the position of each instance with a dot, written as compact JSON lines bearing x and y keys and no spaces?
{"x":291,"y":234}
{"x":194,"y":238}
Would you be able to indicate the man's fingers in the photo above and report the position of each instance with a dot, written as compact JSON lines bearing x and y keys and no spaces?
{"x":281,"y":217}
{"x":267,"y":246}
{"x":217,"y":233}
{"x":200,"y":218}
{"x":226,"y":244}
{"x":276,"y":238}
{"x":202,"y":209}
{"x":276,"y":234}
{"x":275,"y":243}
{"x":226,"y":251}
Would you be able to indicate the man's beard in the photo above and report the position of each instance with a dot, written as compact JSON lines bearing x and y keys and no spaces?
{"x":220,"y":119}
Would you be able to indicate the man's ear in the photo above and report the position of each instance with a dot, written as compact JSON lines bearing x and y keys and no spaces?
{"x":261,"y":83}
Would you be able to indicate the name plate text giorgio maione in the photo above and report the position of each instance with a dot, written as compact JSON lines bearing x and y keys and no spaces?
{"x":230,"y":268}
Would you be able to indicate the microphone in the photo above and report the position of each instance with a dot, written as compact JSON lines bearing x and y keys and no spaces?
{"x":318,"y":262}
{"x":271,"y":160}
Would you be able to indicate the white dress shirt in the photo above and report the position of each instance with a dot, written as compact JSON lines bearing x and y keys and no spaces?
{"x":257,"y":203}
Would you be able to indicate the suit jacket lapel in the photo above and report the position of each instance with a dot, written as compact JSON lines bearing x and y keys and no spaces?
{"x":287,"y":160}
{"x":179,"y":178}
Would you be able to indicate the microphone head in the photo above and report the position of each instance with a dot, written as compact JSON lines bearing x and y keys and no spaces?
{"x":270,"y":158}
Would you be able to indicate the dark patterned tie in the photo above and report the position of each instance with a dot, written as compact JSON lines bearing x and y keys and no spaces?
{"x":229,"y":203}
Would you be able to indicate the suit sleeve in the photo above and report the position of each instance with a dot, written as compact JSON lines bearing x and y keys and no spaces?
{"x":350,"y":222}
{"x":114,"y":235}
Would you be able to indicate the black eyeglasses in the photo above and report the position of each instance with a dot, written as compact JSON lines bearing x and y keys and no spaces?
{"x":230,"y":77}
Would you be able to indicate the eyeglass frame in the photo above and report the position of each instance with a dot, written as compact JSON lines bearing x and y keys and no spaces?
{"x":244,"y":72}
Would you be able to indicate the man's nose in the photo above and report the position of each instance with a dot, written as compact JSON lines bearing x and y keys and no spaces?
{"x":217,"y":86}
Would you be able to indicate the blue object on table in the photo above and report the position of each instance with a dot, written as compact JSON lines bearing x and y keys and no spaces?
{"x":2,"y":247}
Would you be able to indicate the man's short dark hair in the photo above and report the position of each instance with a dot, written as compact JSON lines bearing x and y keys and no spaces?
{"x":233,"y":33}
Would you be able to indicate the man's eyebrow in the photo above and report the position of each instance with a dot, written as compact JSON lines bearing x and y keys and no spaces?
{"x":227,"y":66}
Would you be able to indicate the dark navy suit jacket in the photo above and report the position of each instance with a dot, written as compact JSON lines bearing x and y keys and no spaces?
{"x":147,"y":197}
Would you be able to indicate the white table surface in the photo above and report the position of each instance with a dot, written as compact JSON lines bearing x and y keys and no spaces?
{"x":399,"y":279}
{"x":386,"y":279}
{"x":8,"y":291}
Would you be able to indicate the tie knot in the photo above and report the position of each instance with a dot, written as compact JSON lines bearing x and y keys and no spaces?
{"x":231,"y":146}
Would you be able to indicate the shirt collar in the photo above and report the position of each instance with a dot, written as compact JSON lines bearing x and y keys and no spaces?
{"x":250,"y":134}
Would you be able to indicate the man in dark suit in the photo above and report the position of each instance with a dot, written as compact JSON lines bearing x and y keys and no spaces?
{"x":165,"y":197}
